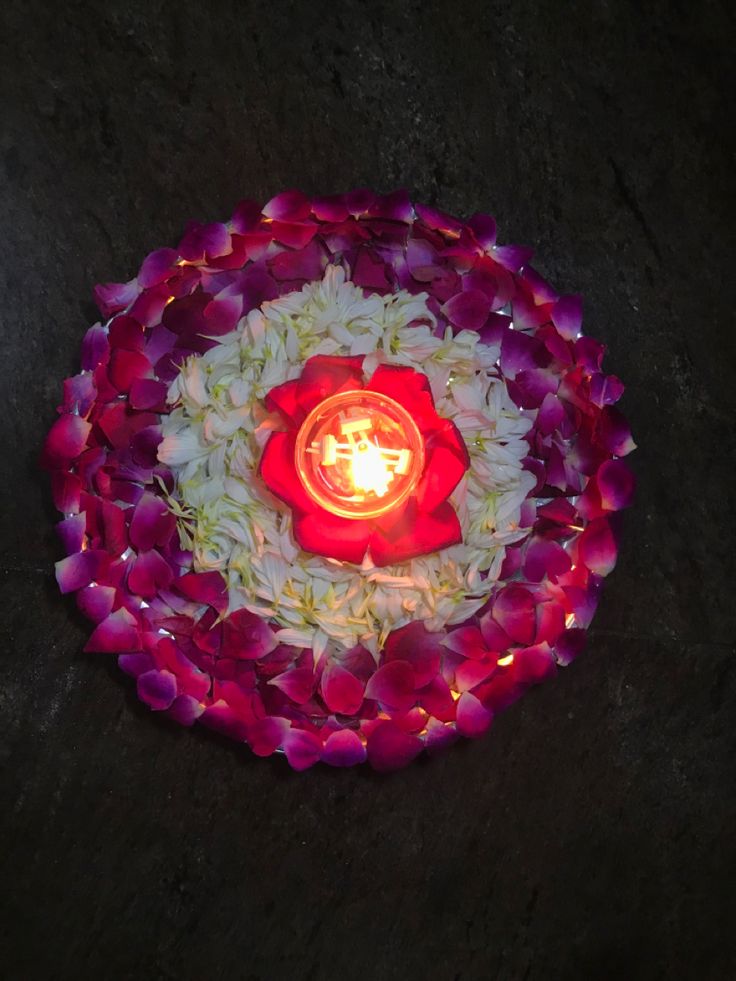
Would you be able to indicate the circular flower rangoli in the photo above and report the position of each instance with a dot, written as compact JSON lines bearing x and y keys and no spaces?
{"x":338,"y":477}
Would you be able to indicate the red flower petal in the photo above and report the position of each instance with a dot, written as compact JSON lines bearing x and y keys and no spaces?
{"x":245,"y":636}
{"x":330,"y":208}
{"x":570,"y":645}
{"x":414,"y":533}
{"x":447,"y":461}
{"x":308,"y":263}
{"x":343,"y":748}
{"x":331,"y":374}
{"x":71,"y":532}
{"x":473,"y":718}
{"x":278,"y":471}
{"x":344,"y":539}
{"x":127,"y":367}
{"x":297,"y":684}
{"x":409,"y":388}
{"x":393,"y":686}
{"x":341,"y":690}
{"x":614,"y":432}
{"x":80,"y":570}
{"x":295,"y":234}
{"x":294,"y":400}
{"x":483,"y":228}
{"x":370,"y":271}
{"x":466,"y":640}
{"x":96,"y":602}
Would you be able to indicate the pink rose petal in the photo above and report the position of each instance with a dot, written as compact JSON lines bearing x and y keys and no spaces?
{"x":341,"y":690}
{"x":393,"y":686}
{"x":116,"y":634}
{"x":597,"y":547}
{"x":473,"y":719}
{"x":288,"y":206}
{"x":389,"y":748}
{"x":344,"y":748}
{"x":303,"y":749}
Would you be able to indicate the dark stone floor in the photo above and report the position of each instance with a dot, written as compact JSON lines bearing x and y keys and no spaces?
{"x":591,"y":834}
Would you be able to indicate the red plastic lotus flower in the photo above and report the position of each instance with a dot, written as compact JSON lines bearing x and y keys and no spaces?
{"x":424,"y":521}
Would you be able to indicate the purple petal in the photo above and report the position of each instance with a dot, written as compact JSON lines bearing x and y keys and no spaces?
{"x":221,"y":718}
{"x":80,"y":393}
{"x":605,"y":389}
{"x":96,"y":602}
{"x":157,"y":267}
{"x":247,"y":216}
{"x":341,"y":690}
{"x":483,"y":228}
{"x":473,"y":719}
{"x":438,"y":220}
{"x":519,"y":352}
{"x":147,"y":394}
{"x":359,"y":201}
{"x":185,"y":710}
{"x":116,"y":634}
{"x":567,"y":316}
{"x":468,"y":310}
{"x":439,"y":736}
{"x":569,"y":645}
{"x":157,"y":689}
{"x":550,"y":414}
{"x":344,"y":748}
{"x":512,"y":257}
{"x":111,"y":297}
{"x":303,"y":749}
{"x":390,"y":748}
{"x":136,"y":664}
{"x":370,"y":271}
{"x":393,"y":207}
{"x":71,"y":532}
{"x":212,"y":240}
{"x":288,"y":206}
{"x":79,"y":570}
{"x":95,"y":347}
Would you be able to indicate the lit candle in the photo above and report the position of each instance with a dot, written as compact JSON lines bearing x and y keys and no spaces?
{"x":359,"y":454}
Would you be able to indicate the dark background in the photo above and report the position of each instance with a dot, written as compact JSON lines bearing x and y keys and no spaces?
{"x":591,"y":833}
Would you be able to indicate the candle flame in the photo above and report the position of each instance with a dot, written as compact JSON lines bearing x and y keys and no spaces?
{"x":369,"y":470}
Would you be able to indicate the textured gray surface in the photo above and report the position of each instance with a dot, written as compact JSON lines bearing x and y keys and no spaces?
{"x":590,"y":835}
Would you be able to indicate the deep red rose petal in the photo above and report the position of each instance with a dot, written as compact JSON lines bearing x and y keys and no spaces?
{"x":546,"y":558}
{"x":298,"y":684}
{"x":415,"y":533}
{"x":246,"y":636}
{"x":204,"y":587}
{"x":278,"y":471}
{"x":152,"y":523}
{"x":66,"y":440}
{"x":419,"y":647}
{"x":288,"y":206}
{"x":344,"y":539}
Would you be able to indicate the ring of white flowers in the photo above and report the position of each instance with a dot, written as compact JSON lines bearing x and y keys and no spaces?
{"x":214,"y":436}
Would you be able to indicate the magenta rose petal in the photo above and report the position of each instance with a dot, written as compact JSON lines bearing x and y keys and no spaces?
{"x":157,"y":267}
{"x":512,"y":257}
{"x":71,"y":532}
{"x":66,"y":440}
{"x":390,"y":748}
{"x":267,"y":735}
{"x":570,"y":645}
{"x":393,"y":686}
{"x":343,"y":748}
{"x":96,"y":602}
{"x":288,"y":206}
{"x":614,"y":432}
{"x":483,"y":228}
{"x":514,"y":611}
{"x":112,"y":297}
{"x":546,"y":558}
{"x":185,"y":709}
{"x":149,"y":573}
{"x":204,"y":587}
{"x":117,"y":634}
{"x":341,"y":690}
{"x":152,"y":523}
{"x":77,"y":571}
{"x":468,"y":310}
{"x":298,"y":684}
{"x":246,"y":636}
{"x":473,"y":718}
{"x":615,"y":485}
{"x":597,"y":547}
{"x":303,"y":749}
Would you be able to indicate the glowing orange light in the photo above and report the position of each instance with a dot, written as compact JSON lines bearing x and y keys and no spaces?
{"x":359,"y":454}
{"x":503,"y":662}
